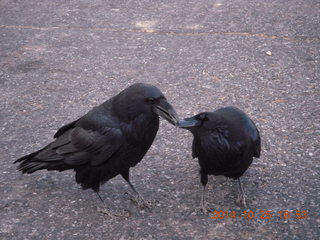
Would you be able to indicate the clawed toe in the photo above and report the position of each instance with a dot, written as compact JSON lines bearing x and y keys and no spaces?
{"x":147,"y":203}
{"x":113,"y":214}
{"x":140,"y":201}
{"x":241,"y":200}
{"x":204,"y":209}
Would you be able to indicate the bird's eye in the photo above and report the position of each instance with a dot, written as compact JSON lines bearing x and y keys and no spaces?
{"x":202,"y":116}
{"x":150,"y":100}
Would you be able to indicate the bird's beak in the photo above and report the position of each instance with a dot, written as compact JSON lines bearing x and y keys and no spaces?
{"x":166,"y":111}
{"x":188,"y":123}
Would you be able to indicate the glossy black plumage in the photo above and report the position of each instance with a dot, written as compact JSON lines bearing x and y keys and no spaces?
{"x":225,"y":142}
{"x":108,"y":140}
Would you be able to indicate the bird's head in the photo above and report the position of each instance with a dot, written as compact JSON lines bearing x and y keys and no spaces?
{"x":141,"y":98}
{"x":195,"y":122}
{"x":205,"y":123}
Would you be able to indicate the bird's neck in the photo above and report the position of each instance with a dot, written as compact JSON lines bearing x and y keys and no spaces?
{"x":142,"y":127}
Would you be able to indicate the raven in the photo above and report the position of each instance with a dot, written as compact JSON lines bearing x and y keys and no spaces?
{"x":225,"y":142}
{"x":107,"y":141}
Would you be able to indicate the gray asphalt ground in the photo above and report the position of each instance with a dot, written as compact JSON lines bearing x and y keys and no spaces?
{"x":58,"y":59}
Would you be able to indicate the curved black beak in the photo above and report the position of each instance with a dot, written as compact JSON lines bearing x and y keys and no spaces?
{"x":166,"y":111}
{"x":188,"y":123}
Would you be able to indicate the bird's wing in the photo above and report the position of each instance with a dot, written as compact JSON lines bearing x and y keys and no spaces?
{"x":195,"y":151}
{"x":217,"y":143}
{"x":65,"y":128}
{"x":79,"y":146}
{"x":257,"y":145}
{"x":255,"y":138}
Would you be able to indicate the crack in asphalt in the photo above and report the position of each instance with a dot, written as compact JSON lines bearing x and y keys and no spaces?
{"x":151,"y":31}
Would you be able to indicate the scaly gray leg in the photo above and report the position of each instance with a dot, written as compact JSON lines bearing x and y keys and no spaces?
{"x":242,"y":195}
{"x":109,"y":212}
{"x":136,"y":197}
{"x":203,"y":203}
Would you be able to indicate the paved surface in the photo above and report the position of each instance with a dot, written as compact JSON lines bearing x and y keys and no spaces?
{"x":58,"y":59}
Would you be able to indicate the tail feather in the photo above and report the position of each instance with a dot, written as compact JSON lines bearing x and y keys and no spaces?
{"x":31,"y":167}
{"x":42,"y":159}
{"x":29,"y":156}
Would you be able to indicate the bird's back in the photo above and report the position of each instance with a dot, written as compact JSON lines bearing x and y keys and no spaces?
{"x":137,"y":137}
{"x":98,"y":146}
{"x":242,"y":127}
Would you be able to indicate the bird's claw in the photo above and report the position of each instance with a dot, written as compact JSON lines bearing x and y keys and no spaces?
{"x":140,"y":201}
{"x":113,"y":214}
{"x":148,"y":203}
{"x":241,"y":200}
{"x":204,"y":209}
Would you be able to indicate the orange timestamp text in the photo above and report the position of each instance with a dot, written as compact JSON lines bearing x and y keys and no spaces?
{"x":262,"y":214}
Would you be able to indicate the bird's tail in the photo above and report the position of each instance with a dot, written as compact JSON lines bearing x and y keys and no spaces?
{"x":42,"y":159}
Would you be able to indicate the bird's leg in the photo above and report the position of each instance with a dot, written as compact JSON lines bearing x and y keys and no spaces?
{"x":109,"y":212}
{"x":242,"y":195}
{"x":136,"y":197}
{"x":203,"y":203}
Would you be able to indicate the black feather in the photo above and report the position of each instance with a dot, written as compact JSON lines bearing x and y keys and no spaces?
{"x":105,"y":142}
{"x":225,"y":142}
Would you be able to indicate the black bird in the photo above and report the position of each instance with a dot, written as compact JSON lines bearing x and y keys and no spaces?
{"x":225,"y":142}
{"x":107,"y":141}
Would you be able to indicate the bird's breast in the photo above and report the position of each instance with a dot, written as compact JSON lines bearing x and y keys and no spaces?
{"x":138,"y":139}
{"x":141,"y":131}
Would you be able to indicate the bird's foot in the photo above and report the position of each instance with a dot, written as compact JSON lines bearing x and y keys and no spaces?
{"x":241,"y":200}
{"x":113,"y":214}
{"x":140,"y":201}
{"x":204,"y":209}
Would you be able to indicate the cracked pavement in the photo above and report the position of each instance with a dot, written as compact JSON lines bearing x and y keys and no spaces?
{"x":59,"y":59}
